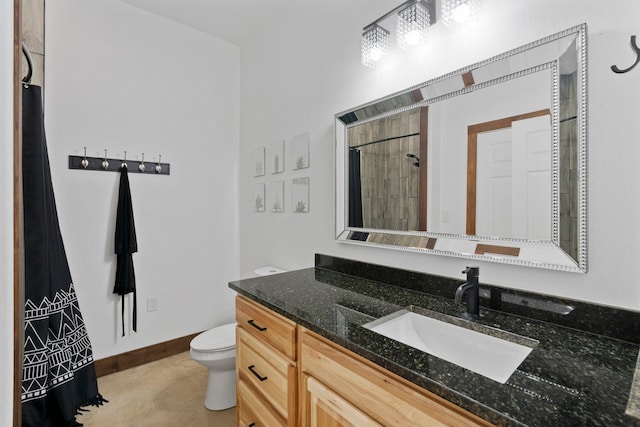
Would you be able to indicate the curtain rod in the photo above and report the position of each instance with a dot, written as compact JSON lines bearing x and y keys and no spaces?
{"x":386,"y":139}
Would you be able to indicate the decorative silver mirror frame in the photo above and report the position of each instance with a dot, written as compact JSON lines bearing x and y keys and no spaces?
{"x":539,"y":253}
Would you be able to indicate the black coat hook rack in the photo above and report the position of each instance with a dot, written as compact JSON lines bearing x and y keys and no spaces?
{"x":636,"y":49}
{"x":113,"y":165}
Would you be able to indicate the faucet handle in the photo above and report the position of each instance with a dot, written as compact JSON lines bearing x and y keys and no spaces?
{"x":474,"y":270}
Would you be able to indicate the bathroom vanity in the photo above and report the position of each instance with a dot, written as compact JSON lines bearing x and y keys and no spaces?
{"x":276,"y":386}
{"x":304,"y":357}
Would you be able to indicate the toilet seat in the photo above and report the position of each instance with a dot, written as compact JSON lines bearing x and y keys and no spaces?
{"x":216,"y":350}
{"x":214,"y":340}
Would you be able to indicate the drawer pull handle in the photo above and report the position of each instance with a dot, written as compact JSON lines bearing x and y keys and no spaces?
{"x":253,"y":371}
{"x":258,"y":327}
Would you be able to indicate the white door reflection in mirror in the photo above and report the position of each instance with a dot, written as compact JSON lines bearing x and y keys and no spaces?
{"x":532,"y":178}
{"x":494,"y":182}
{"x":514,"y":180}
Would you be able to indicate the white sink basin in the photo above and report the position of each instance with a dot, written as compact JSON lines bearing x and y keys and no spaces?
{"x":495,"y":356}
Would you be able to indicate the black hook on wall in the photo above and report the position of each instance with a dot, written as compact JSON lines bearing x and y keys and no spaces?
{"x":635,"y":47}
{"x":27,"y":55}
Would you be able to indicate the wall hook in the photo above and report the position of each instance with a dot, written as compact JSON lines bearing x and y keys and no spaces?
{"x":636,"y":49}
{"x":27,"y":79}
{"x":105,"y":163}
{"x":141,"y":165}
{"x":85,"y":162}
{"x":116,"y":164}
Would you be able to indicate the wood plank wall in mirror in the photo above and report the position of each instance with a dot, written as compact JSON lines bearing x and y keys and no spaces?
{"x":389,"y":151}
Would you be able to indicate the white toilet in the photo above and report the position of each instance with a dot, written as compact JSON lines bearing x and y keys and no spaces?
{"x":216,"y":349}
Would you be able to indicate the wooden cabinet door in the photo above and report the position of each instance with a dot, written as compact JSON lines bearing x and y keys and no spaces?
{"x":378,"y":393}
{"x":328,"y":409}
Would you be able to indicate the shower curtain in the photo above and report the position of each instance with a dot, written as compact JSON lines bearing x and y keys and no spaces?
{"x":58,"y":375}
{"x":355,"y":196}
{"x":355,"y":189}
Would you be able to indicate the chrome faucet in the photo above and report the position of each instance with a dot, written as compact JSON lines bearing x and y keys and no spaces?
{"x":473,"y":294}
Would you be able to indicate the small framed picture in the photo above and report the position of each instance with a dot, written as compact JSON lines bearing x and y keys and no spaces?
{"x":300,"y":195}
{"x":258,"y":161}
{"x":276,"y":157}
{"x":258,"y":197}
{"x":300,"y":151}
{"x":276,"y":194}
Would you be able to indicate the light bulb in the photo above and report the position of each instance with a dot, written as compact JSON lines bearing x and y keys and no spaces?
{"x":375,"y":54}
{"x":412,"y":38}
{"x":461,"y":13}
{"x":457,"y":13}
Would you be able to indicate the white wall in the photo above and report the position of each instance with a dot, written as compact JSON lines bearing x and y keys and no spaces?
{"x":123,"y":79}
{"x":306,"y":68}
{"x":6,"y":213}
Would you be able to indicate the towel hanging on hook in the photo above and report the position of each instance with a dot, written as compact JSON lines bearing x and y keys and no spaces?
{"x":125,"y":245}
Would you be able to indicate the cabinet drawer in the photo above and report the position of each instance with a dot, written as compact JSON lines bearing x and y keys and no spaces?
{"x":328,"y":409}
{"x":268,"y":371}
{"x":252,"y":411}
{"x":382,"y":395}
{"x":266,"y":325}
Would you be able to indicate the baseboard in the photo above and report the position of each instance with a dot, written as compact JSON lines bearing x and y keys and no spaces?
{"x":133,"y":358}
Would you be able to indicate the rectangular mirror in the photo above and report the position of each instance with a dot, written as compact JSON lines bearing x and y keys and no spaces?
{"x":487,"y":162}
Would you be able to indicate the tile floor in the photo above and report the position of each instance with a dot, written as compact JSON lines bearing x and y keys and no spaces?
{"x":168,"y":392}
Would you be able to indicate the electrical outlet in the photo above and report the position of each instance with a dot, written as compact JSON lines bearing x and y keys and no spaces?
{"x":152,"y":304}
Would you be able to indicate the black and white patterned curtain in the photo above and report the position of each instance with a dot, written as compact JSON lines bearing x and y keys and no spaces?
{"x":58,"y":375}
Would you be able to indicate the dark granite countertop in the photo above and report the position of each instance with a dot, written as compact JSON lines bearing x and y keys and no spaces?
{"x":572,"y":377}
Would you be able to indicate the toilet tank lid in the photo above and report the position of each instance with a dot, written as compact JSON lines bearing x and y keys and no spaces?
{"x":268,"y":271}
{"x":216,"y":339}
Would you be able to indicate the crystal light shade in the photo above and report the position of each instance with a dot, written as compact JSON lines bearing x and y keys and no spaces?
{"x":375,"y":46}
{"x":413,"y":24}
{"x":458,"y":12}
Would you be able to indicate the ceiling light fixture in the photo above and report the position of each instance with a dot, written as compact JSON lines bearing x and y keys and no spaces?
{"x":458,"y":12}
{"x":375,"y":45}
{"x":413,"y":24}
{"x":414,"y":19}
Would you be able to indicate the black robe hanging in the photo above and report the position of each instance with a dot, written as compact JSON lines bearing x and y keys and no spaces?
{"x":125,"y":245}
{"x":58,"y":375}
